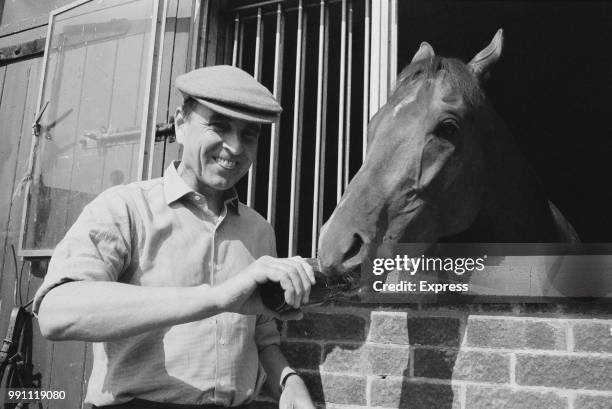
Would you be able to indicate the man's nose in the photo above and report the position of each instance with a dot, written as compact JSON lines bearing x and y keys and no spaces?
{"x":233,"y":142}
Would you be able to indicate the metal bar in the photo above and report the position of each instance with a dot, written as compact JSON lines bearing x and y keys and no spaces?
{"x":252,"y":177}
{"x":341,"y":92}
{"x":318,"y":131}
{"x":324,"y":119}
{"x":349,"y":80}
{"x":258,"y":47}
{"x":151,"y":119}
{"x":177,"y":12}
{"x":202,"y":42}
{"x":375,"y":57}
{"x":191,"y":62}
{"x":270,"y":2}
{"x":366,"y":80}
{"x":279,"y":45}
{"x":297,"y":129}
{"x":194,"y":35}
{"x":392,"y":45}
{"x":257,"y":5}
{"x":384,"y":52}
{"x":143,"y":152}
{"x":236,"y":38}
{"x":240,"y":46}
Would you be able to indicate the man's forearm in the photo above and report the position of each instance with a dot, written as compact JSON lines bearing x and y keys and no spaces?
{"x":103,"y":311}
{"x":273,"y":361}
{"x":295,"y":393}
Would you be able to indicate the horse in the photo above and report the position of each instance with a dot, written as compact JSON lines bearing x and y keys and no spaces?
{"x":440,"y":166}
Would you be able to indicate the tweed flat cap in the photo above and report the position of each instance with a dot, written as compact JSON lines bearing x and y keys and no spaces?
{"x":230,"y":91}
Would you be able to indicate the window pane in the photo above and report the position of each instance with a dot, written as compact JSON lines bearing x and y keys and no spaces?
{"x":94,"y":83}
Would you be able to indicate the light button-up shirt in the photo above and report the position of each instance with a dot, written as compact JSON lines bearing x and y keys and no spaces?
{"x":161,"y":233}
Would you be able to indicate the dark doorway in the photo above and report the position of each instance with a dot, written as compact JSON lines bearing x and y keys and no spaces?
{"x":552,"y":87}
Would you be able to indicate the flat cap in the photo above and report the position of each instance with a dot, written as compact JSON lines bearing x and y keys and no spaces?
{"x":230,"y":91}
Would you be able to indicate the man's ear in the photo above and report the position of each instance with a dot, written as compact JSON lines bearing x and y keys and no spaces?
{"x":179,"y":123}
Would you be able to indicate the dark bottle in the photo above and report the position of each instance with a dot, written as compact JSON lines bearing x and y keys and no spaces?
{"x":324,"y":289}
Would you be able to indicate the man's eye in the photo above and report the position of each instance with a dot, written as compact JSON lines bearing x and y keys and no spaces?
{"x":250,"y":136}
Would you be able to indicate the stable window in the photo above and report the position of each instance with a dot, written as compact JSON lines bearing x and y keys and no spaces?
{"x":314,"y":56}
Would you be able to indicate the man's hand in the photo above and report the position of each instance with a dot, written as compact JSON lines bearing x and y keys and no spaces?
{"x":294,"y":275}
{"x":295,"y":395}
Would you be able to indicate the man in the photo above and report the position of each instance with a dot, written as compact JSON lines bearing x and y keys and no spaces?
{"x":162,"y":275}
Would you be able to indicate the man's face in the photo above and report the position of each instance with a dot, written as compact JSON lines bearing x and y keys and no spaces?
{"x":217,"y":150}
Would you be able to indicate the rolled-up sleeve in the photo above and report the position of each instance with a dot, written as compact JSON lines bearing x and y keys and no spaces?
{"x":266,"y":331}
{"x":97,"y":247}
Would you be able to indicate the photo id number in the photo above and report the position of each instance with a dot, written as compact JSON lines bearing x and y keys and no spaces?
{"x":31,"y":395}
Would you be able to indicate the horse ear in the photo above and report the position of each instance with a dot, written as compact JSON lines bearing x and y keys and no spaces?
{"x":425,"y":51}
{"x":484,"y":60}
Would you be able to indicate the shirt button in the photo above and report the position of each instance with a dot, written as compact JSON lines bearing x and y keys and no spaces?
{"x":197,"y":197}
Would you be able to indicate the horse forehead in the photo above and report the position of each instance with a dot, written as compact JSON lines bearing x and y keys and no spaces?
{"x":423,"y":93}
{"x":448,"y":95}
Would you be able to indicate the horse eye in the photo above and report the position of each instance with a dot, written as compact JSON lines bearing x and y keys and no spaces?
{"x":447,"y":129}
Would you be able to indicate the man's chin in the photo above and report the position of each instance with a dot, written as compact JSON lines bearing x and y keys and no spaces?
{"x":222,"y":180}
{"x":221,"y":184}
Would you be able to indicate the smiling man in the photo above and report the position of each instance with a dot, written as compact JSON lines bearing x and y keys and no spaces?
{"x":162,"y":275}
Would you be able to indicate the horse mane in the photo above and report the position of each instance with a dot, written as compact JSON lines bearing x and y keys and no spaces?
{"x":453,"y":70}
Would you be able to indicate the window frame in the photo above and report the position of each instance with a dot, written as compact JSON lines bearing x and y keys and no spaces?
{"x":147,"y":137}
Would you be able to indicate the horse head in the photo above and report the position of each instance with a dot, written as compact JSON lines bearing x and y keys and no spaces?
{"x":422,"y":178}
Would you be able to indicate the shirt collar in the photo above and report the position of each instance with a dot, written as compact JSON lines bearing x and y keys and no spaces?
{"x":175,"y":188}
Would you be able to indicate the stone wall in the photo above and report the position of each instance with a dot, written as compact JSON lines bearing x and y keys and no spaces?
{"x":473,"y":356}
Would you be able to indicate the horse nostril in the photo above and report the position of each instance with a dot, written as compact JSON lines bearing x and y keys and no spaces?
{"x":355,"y":247}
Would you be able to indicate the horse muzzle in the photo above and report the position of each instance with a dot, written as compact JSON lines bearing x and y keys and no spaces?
{"x":341,"y":250}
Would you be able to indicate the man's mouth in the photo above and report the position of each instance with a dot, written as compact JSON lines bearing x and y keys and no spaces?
{"x":225,"y":163}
